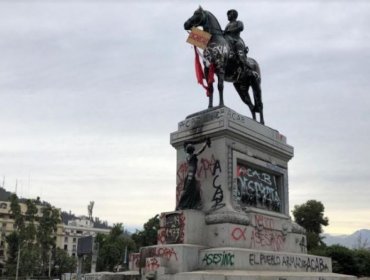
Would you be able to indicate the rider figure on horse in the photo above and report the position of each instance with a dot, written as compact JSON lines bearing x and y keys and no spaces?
{"x":232,"y":35}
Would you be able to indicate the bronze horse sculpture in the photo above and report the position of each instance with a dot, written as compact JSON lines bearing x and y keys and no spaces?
{"x":227,"y":66}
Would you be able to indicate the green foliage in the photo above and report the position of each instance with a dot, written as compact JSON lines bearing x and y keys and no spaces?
{"x":362,"y":260}
{"x":112,"y":248}
{"x":30,"y":260}
{"x":33,"y":238}
{"x":346,"y":261}
{"x":314,"y":241}
{"x":310,"y":215}
{"x":343,"y":259}
{"x":63,"y":263}
{"x":46,"y":235}
{"x":13,"y":242}
{"x":86,"y":264}
{"x":148,"y":236}
{"x":16,"y":213}
{"x":31,"y":210}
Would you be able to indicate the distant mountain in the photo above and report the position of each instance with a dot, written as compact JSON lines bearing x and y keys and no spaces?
{"x":358,"y":239}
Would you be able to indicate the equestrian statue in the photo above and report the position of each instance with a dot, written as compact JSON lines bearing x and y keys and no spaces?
{"x":226,"y":55}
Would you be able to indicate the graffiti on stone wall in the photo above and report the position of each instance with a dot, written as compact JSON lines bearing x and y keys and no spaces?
{"x":218,"y":195}
{"x":265,"y":234}
{"x":173,"y":231}
{"x":238,"y":234}
{"x":262,"y":236}
{"x":204,"y":171}
{"x":220,"y":259}
{"x":207,"y":168}
{"x":257,"y":188}
{"x":166,"y":253}
{"x":263,"y":222}
{"x":134,"y":260}
{"x":309,"y":263}
{"x":152,"y":264}
{"x":273,"y":240}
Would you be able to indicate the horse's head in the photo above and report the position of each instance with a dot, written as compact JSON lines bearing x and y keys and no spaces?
{"x":198,"y":19}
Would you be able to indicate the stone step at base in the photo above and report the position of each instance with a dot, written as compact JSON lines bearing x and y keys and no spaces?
{"x":258,"y":275}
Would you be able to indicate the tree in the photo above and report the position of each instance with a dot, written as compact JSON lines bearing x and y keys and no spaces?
{"x":16,"y":213}
{"x":13,"y":245}
{"x":362,"y":260}
{"x":149,"y":235}
{"x":343,"y":260}
{"x":346,"y":261}
{"x":112,"y":248}
{"x":63,"y":263}
{"x":46,"y":235}
{"x":310,"y":215}
{"x":33,"y":239}
{"x":21,"y":242}
{"x":29,"y":260}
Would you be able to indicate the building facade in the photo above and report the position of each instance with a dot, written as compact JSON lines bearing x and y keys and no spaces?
{"x":67,"y":235}
{"x":75,"y":229}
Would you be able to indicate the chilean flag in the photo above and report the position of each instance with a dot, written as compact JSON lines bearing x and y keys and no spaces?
{"x":200,"y":74}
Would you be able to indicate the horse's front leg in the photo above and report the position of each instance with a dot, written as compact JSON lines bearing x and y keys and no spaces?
{"x":220,"y":85}
{"x":210,"y":87}
{"x":210,"y":100}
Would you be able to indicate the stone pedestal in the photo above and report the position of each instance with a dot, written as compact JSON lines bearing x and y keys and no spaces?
{"x":240,"y":225}
{"x":245,"y":168}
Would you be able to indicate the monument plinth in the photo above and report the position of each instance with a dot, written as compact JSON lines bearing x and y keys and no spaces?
{"x":237,"y":220}
{"x":245,"y":166}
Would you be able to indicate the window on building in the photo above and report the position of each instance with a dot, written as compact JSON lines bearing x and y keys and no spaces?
{"x":65,"y":247}
{"x":74,"y":239}
{"x":65,"y":239}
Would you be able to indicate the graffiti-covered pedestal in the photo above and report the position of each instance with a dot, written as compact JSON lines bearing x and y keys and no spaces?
{"x":232,"y":206}
{"x":242,"y":181}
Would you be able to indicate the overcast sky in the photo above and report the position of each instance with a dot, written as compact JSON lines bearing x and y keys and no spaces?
{"x":90,"y":91}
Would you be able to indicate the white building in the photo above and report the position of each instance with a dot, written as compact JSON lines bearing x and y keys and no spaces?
{"x":75,"y":229}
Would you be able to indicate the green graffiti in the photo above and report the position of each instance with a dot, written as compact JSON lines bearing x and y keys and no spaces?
{"x":221,"y":259}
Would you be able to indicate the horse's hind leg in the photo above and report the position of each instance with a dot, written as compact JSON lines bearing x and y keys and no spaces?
{"x":242,"y":90}
{"x":262,"y":121}
{"x":257,"y":94}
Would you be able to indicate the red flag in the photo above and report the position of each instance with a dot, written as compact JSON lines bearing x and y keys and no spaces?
{"x":200,"y":74}
{"x":198,"y":68}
